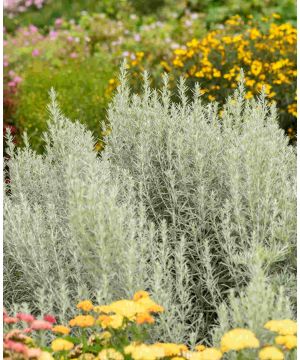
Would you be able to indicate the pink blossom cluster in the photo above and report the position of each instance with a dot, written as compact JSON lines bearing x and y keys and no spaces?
{"x":12,"y":7}
{"x":15,"y":339}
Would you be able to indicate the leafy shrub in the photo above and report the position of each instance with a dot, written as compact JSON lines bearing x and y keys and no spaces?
{"x":119,"y":330}
{"x":81,"y":84}
{"x":219,"y":10}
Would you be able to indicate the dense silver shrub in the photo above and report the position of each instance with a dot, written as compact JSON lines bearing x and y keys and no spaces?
{"x":184,"y":202}
{"x":222,"y":178}
{"x":75,"y":229}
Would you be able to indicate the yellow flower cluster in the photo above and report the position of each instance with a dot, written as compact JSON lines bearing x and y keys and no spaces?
{"x":266,"y":53}
{"x":138,"y":309}
{"x":117,"y":318}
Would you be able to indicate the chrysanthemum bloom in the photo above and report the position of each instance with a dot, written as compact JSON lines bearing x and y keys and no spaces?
{"x":85,"y":305}
{"x":41,"y":325}
{"x":61,"y":344}
{"x":114,"y":321}
{"x":144,"y":352}
{"x":140,"y":295}
{"x":61,"y":329}
{"x":288,"y":341}
{"x":50,"y":318}
{"x":87,"y":356}
{"x":144,"y":318}
{"x":200,"y":347}
{"x":82,"y":321}
{"x":211,"y":354}
{"x":25,"y":317}
{"x":33,"y":352}
{"x":206,"y":354}
{"x":282,"y":327}
{"x":149,"y":305}
{"x":10,"y":320}
{"x":45,"y":355}
{"x":125,"y":308}
{"x":270,"y":353}
{"x":171,"y":349}
{"x":238,"y":339}
{"x":110,"y":354}
{"x":15,"y":346}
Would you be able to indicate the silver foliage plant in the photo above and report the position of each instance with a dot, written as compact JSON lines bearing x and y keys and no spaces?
{"x":225,"y":179}
{"x":193,"y":204}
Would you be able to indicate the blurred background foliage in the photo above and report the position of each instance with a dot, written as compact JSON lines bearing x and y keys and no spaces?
{"x":76,"y":46}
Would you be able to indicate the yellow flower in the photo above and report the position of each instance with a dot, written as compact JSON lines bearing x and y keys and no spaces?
{"x":211,"y":354}
{"x":211,"y":97}
{"x":248,"y":95}
{"x":276,"y":16}
{"x":61,"y":329}
{"x":45,"y":355}
{"x":282,"y":327}
{"x":171,"y":349}
{"x":127,"y":308}
{"x":85,"y":305}
{"x":86,"y":356}
{"x":144,"y":352}
{"x":140,"y":294}
{"x":216,"y":73}
{"x":206,"y":354}
{"x":254,"y":34}
{"x":238,"y":339}
{"x":270,"y":353}
{"x":288,"y":341}
{"x":113,"y":321}
{"x":82,"y":321}
{"x":144,"y":318}
{"x":110,"y":354}
{"x":200,"y":347}
{"x":61,"y":345}
{"x":102,"y":309}
{"x":149,"y":305}
{"x":256,"y":67}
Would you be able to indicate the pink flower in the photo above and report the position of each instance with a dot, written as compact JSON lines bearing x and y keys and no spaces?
{"x":35,"y":52}
{"x":51,"y":319}
{"x":27,"y":330}
{"x":15,"y":346}
{"x":73,"y":55}
{"x":11,"y":84}
{"x":25,"y":317}
{"x":17,"y":79}
{"x":58,"y":22}
{"x":70,"y":38}
{"x":33,"y":353}
{"x":137,"y":37}
{"x":53,"y":35}
{"x":5,"y":63}
{"x":41,"y":325}
{"x":33,"y":29}
{"x":10,"y":320}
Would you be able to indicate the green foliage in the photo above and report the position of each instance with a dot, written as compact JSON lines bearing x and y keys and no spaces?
{"x":219,"y":10}
{"x":67,"y":9}
{"x":81,"y":85}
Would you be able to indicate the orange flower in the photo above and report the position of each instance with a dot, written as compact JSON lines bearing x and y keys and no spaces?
{"x":85,"y":305}
{"x":61,"y":329}
{"x":144,"y":318}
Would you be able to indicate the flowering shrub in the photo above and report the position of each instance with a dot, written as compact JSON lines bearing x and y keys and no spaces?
{"x":266,"y":52}
{"x":120,"y":330}
{"x":13,"y":7}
